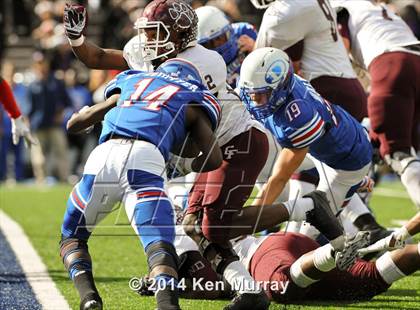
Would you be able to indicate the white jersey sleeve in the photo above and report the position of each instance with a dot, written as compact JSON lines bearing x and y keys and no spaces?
{"x":211,"y":65}
{"x":287,"y":22}
{"x":374,"y":30}
{"x":280,"y":27}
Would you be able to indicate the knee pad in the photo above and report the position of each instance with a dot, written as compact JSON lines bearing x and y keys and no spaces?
{"x":218,"y":256}
{"x":75,"y":256}
{"x":399,"y":161}
{"x":162,"y":253}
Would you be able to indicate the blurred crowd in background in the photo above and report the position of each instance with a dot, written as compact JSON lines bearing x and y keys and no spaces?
{"x":52,"y":83}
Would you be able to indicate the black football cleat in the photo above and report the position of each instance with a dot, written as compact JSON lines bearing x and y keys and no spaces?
{"x":91,"y":301}
{"x":321,"y":216}
{"x":346,"y":257}
{"x":378,"y":234}
{"x":375,"y":235}
{"x":248,"y":301}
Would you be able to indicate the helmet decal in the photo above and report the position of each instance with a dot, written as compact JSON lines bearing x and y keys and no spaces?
{"x":179,"y":10}
{"x":276,"y":71}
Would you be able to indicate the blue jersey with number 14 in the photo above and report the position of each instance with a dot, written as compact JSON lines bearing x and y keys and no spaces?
{"x":152,"y":107}
{"x":333,"y":136}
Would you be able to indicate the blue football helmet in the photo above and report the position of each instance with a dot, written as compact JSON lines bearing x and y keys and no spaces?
{"x":215,"y":32}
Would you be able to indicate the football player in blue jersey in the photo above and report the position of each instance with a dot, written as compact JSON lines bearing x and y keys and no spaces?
{"x":146,"y":116}
{"x":304,"y":124}
{"x":232,"y":41}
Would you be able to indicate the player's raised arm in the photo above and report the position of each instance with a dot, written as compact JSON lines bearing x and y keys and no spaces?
{"x":202,"y":134}
{"x":94,"y":57}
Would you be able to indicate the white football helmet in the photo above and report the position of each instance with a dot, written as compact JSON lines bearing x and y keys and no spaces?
{"x":212,"y":24}
{"x":262,"y":4}
{"x":266,"y":71}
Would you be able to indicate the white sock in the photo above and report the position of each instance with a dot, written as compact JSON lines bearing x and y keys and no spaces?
{"x":297,"y":275}
{"x":239,"y":279}
{"x":297,"y":208}
{"x":323,"y":259}
{"x":387,"y":269}
{"x":411,"y":180}
{"x":354,"y":209}
{"x":348,"y":225}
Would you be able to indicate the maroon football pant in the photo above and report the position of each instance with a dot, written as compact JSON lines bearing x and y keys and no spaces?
{"x":273,"y":259}
{"x":394,"y":101}
{"x":221,"y":193}
{"x":347,"y":93}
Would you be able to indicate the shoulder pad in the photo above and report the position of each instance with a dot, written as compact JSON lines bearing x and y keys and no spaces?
{"x":302,"y":122}
{"x":114,"y":86}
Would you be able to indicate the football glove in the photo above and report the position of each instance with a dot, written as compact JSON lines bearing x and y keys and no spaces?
{"x":75,"y":20}
{"x":178,"y":166}
{"x":20,"y":129}
{"x":391,"y":242}
{"x":366,"y":185}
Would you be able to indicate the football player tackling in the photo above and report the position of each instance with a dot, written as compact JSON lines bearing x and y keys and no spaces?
{"x":146,"y":116}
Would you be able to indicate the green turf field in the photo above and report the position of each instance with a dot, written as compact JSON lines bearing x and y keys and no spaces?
{"x":117,"y":254}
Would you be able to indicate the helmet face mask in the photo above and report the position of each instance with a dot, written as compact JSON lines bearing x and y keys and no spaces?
{"x":261,"y":4}
{"x":263,"y":102}
{"x":167,"y":28}
{"x":154,"y":38}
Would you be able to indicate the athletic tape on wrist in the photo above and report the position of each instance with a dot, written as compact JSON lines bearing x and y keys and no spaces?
{"x":77,"y":42}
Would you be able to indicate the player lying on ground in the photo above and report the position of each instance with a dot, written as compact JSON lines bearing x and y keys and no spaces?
{"x":147,"y":115}
{"x":19,"y":128}
{"x":292,"y":267}
{"x":304,"y":123}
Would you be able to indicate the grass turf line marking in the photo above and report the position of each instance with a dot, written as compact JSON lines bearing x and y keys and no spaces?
{"x":36,"y":272}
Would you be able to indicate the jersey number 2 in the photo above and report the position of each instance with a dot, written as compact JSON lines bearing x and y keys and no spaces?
{"x":155,"y":99}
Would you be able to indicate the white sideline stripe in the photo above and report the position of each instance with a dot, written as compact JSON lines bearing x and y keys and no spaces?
{"x":386,"y":192}
{"x":36,"y":272}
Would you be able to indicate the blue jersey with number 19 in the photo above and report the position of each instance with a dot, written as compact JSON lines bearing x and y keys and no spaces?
{"x":333,"y":136}
{"x":152,"y":107}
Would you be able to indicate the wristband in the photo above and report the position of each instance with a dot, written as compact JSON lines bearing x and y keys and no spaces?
{"x":77,"y":42}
